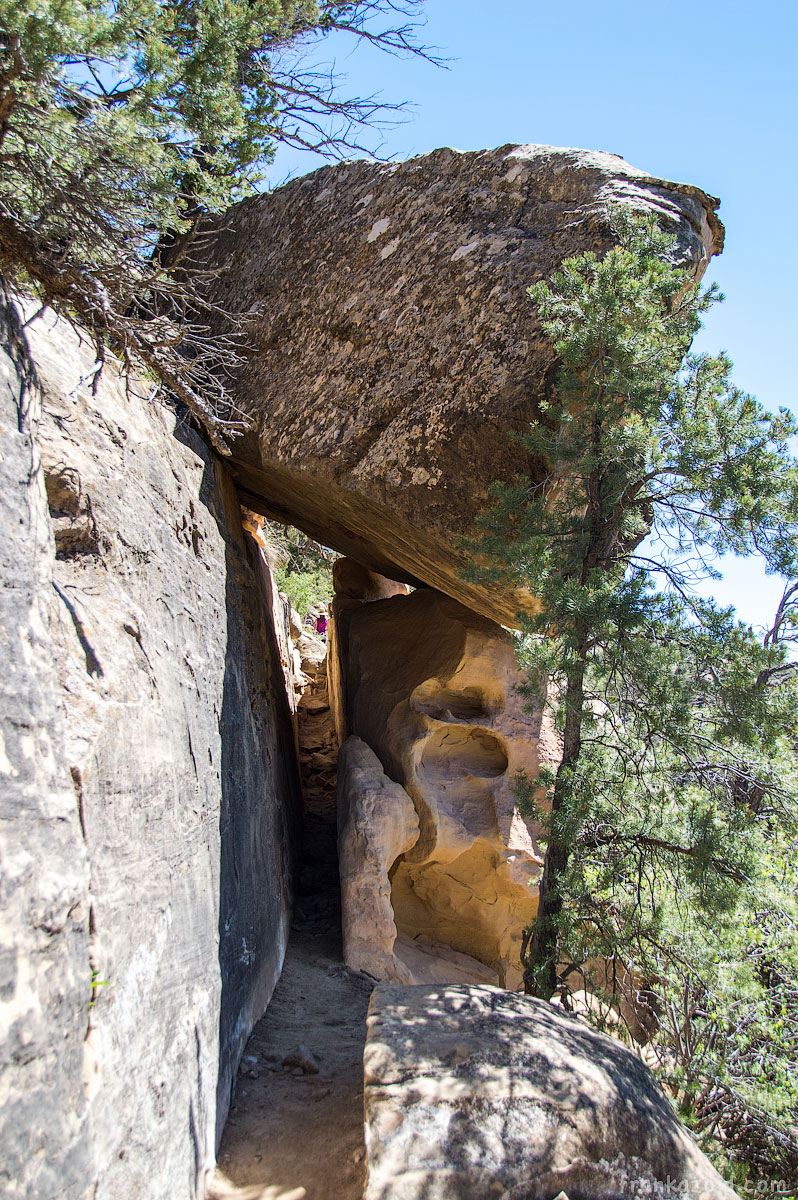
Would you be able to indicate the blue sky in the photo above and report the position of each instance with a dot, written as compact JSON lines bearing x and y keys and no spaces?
{"x":700,"y":92}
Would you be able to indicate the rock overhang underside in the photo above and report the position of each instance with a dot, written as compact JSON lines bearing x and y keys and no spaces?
{"x":391,"y":349}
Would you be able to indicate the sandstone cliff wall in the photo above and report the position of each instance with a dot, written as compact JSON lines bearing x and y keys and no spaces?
{"x":432,"y":845}
{"x":149,"y":789}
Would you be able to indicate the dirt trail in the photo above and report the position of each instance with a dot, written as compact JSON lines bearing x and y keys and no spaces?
{"x":293,"y":1133}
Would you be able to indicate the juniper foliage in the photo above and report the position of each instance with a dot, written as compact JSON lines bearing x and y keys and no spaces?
{"x":122,"y":123}
{"x":676,"y":789}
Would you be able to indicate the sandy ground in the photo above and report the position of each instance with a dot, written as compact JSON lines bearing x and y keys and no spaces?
{"x":291,"y":1134}
{"x":295,"y":1133}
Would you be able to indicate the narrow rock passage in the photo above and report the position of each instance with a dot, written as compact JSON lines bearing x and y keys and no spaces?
{"x":296,"y":1124}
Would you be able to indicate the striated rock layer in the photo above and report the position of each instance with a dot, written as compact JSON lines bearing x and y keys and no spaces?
{"x":149,"y":795}
{"x":474,"y":1092}
{"x":391,"y":345}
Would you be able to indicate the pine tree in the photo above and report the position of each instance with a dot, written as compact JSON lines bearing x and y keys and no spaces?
{"x":121,"y":123}
{"x":641,"y":440}
{"x":676,"y":797}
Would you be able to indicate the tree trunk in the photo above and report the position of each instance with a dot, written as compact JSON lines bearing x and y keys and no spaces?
{"x":540,"y":960}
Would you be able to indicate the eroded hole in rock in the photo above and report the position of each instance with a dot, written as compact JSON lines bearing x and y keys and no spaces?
{"x":437,"y":865}
{"x":453,"y":923}
{"x":72,"y":521}
{"x":454,"y":751}
{"x":471,"y":705}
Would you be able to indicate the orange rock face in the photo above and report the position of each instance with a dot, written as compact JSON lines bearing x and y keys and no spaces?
{"x":431,"y":689}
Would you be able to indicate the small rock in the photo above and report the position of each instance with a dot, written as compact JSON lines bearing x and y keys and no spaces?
{"x":302,"y":1059}
{"x":311,"y":740}
{"x":323,"y":762}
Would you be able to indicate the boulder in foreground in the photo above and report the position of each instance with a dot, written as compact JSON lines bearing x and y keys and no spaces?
{"x":476,"y":1092}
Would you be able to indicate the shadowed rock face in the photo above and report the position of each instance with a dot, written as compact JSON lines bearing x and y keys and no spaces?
{"x":148,"y":789}
{"x":392,"y":344}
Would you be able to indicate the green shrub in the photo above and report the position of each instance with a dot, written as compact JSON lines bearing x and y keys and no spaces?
{"x":305,"y":589}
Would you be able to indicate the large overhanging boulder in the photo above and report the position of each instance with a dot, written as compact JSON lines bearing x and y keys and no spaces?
{"x":391,"y":347}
